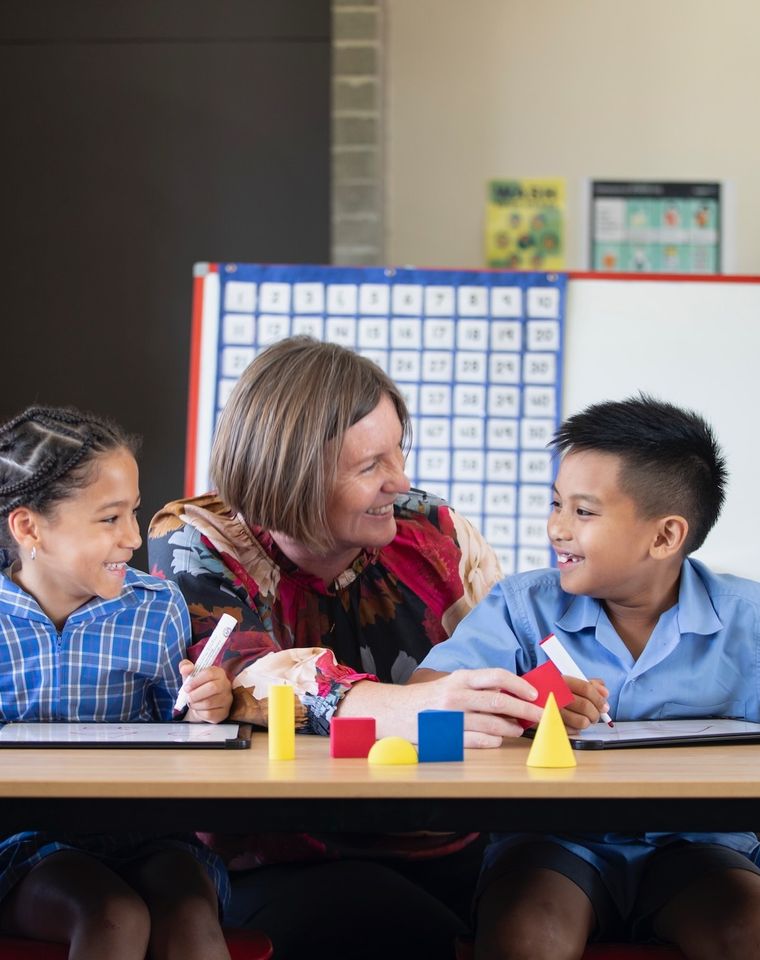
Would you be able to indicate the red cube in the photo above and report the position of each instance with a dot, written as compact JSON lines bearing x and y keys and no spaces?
{"x":351,"y":736}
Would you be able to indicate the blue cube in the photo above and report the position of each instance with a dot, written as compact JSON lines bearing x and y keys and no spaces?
{"x":440,"y":735}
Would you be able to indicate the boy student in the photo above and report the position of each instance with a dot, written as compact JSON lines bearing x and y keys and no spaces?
{"x":640,"y":484}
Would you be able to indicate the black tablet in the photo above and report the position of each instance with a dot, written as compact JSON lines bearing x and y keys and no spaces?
{"x":666,"y":733}
{"x":118,"y":735}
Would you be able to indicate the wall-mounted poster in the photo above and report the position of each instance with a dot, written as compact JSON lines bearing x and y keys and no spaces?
{"x":525,"y":224}
{"x":643,"y":226}
{"x":476,"y":353}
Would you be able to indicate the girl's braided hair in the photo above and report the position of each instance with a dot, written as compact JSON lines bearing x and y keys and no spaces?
{"x":46,"y":453}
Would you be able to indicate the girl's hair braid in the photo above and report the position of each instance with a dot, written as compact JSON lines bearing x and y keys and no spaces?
{"x":45,"y":454}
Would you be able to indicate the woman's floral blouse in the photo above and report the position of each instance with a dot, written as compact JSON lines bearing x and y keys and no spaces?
{"x":377,"y":620}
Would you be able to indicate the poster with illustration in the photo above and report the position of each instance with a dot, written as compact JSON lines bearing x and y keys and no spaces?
{"x":644,"y":226}
{"x":525,"y":224}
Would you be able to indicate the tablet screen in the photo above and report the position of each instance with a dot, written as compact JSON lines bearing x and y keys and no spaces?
{"x":643,"y":733}
{"x":124,"y":734}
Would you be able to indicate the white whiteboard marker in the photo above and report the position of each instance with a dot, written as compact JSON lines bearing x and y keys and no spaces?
{"x":209,"y":653}
{"x":565,"y":664}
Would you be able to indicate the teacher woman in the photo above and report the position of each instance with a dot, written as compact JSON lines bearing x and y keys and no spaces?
{"x":341,"y":579}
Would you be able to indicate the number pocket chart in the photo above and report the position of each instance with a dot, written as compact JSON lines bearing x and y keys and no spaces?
{"x":477,"y":355}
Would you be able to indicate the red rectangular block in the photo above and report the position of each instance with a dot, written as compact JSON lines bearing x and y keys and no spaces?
{"x":547,"y":679}
{"x":351,"y":736}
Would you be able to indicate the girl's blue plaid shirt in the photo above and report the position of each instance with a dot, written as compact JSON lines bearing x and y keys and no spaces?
{"x":112,"y":660}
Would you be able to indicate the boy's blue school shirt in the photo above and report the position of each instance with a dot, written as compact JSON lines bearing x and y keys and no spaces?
{"x":112,"y":660}
{"x":702,"y":659}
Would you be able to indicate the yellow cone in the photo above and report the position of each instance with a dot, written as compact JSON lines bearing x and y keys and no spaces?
{"x":551,"y":747}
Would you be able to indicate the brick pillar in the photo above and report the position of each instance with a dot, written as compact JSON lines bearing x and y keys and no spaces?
{"x":358,"y":235}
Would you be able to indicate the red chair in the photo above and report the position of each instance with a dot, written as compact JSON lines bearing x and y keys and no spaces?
{"x":604,"y":951}
{"x":249,"y":945}
{"x":242,"y":944}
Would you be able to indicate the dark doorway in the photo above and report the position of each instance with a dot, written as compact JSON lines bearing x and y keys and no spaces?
{"x":139,"y":138}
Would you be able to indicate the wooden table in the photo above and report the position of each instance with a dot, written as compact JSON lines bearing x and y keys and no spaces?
{"x":685,"y":788}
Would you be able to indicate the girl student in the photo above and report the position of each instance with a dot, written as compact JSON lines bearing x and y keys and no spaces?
{"x":84,"y":637}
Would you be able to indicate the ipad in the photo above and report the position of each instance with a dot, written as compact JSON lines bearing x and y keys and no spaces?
{"x":666,"y":733}
{"x":118,"y":735}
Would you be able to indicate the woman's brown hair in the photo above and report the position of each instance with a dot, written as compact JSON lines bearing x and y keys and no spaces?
{"x":275,"y":452}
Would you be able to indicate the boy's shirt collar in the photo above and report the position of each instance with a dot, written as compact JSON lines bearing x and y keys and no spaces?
{"x":696,"y":613}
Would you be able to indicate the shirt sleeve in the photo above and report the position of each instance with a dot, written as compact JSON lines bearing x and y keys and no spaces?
{"x":185,"y":557}
{"x":205,"y":583}
{"x":484,"y":638}
{"x":174,"y":633}
{"x":479,"y":566}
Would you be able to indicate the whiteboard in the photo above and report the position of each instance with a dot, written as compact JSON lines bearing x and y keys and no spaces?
{"x":695,"y":343}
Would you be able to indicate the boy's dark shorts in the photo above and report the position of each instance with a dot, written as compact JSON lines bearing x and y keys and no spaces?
{"x":669,"y":870}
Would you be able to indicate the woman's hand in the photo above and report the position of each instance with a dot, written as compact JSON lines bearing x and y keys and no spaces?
{"x":589,"y":703}
{"x":209,"y":695}
{"x":491,"y":699}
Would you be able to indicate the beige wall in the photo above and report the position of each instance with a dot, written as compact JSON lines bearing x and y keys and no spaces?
{"x":478,"y":89}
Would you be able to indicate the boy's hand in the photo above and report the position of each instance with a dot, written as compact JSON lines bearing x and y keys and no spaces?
{"x":209,"y":695}
{"x":589,"y":704}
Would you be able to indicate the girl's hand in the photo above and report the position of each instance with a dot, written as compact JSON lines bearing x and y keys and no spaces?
{"x":589,"y":703}
{"x":209,"y":695}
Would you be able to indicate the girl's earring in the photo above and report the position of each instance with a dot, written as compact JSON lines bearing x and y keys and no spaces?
{"x":33,"y":553}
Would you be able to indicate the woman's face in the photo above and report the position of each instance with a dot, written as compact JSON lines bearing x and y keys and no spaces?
{"x":370,"y":477}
